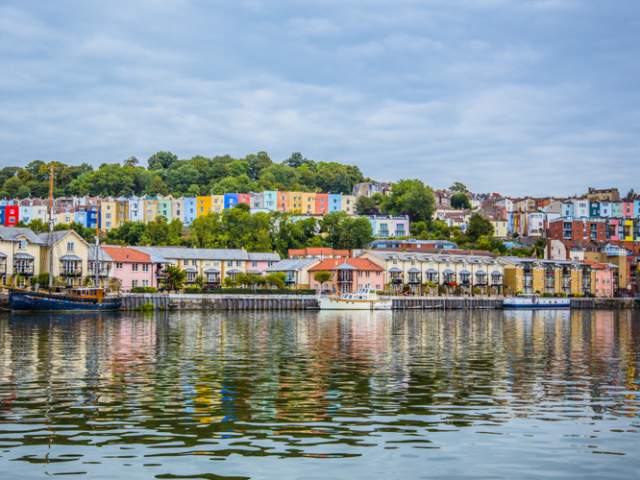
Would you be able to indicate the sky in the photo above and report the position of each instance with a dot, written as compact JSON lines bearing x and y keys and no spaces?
{"x":535,"y":97}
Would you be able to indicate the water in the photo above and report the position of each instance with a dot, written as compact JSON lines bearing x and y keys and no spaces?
{"x":289,"y":395}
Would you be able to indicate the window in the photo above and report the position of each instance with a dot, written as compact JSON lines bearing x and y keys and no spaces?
{"x":134,"y":283}
{"x":238,"y":263}
{"x":229,"y":263}
{"x":145,"y":283}
{"x":134,"y":267}
{"x":254,"y":263}
{"x":22,"y":244}
{"x":118,"y":265}
{"x":145,"y":267}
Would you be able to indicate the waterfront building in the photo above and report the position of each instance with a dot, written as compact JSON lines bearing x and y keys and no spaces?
{"x":389,"y":226}
{"x":20,"y":251}
{"x":70,"y":256}
{"x":258,"y":262}
{"x":317,"y":252}
{"x":410,"y":271}
{"x":296,"y":271}
{"x":551,"y":277}
{"x":348,"y":275}
{"x":412,"y":244}
{"x":130,"y":267}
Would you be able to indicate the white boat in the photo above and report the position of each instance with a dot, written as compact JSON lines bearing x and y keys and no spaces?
{"x":364,"y":299}
{"x":536,"y":301}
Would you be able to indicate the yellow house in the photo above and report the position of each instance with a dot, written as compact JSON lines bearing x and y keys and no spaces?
{"x":122,"y":212}
{"x":349,"y":204}
{"x":150,"y":211}
{"x":500,"y":228}
{"x":217,"y":203}
{"x":628,"y":230}
{"x":295,"y":204}
{"x":108,"y":214}
{"x":203,"y":205}
{"x":308,"y":203}
{"x":65,"y":217}
{"x":548,"y":277}
{"x":20,"y":251}
{"x":70,"y":256}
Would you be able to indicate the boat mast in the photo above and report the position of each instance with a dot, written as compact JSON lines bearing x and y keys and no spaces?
{"x":96,"y":263}
{"x":51,"y":220}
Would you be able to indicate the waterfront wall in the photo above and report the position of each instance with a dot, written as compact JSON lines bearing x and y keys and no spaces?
{"x":309,"y":302}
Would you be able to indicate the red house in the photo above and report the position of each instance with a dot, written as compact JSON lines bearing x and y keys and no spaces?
{"x":11,"y":215}
{"x":244,"y":198}
{"x":322,"y":203}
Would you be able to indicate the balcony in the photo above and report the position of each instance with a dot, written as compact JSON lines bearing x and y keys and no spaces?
{"x":70,"y":266}
{"x":23,"y":267}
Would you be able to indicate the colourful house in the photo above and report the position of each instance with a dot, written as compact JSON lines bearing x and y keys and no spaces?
{"x":627,"y":209}
{"x":189,"y":209}
{"x":284,"y":200}
{"x":217,"y":203}
{"x":132,"y":268}
{"x":203,"y":205}
{"x":150,"y":209}
{"x":348,"y":275}
{"x":628,"y":230}
{"x":295,"y":204}
{"x":136,"y":209}
{"x":322,"y":203}
{"x":308,"y":203}
{"x":177,"y":209}
{"x":616,"y":209}
{"x":259,"y":262}
{"x":389,"y":226}
{"x":230,"y":200}
{"x":349,"y":204}
{"x":270,"y":200}
{"x":244,"y":198}
{"x":335,"y":202}
{"x":9,"y":215}
{"x":164,"y":208}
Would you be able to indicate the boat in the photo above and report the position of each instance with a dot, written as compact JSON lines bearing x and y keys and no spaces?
{"x":535,"y":302}
{"x":68,"y":299}
{"x":75,"y":299}
{"x":363,"y":299}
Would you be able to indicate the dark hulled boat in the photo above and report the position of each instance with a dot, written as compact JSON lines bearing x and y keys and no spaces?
{"x":79,"y":299}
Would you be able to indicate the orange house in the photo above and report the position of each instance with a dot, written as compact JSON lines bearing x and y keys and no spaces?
{"x":322,"y":203}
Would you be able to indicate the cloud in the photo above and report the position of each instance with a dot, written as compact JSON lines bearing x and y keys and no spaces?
{"x":494,"y":93}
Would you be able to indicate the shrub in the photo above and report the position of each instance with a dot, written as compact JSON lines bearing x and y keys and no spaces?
{"x":192,"y":290}
{"x":144,"y":290}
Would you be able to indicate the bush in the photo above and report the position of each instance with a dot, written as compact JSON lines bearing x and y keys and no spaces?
{"x":192,"y":290}
{"x":144,"y":290}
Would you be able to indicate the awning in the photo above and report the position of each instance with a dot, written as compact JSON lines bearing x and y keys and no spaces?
{"x":414,"y":270}
{"x":481,"y":273}
{"x":432,"y":271}
{"x":496,"y":274}
{"x":190,"y":269}
{"x":448,"y":271}
{"x":23,"y":256}
{"x":465,"y":272}
{"x":211,"y":270}
{"x":233,"y":272}
{"x":70,"y":258}
{"x":395,"y":270}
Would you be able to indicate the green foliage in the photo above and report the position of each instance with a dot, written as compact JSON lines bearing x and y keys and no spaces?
{"x":342,"y":231}
{"x":369,"y":205}
{"x":38,"y":226}
{"x":161,"y":233}
{"x":260,"y":291}
{"x":41,"y":279}
{"x":459,"y":187}
{"x":477,"y":227}
{"x":276,"y":280}
{"x":129,"y":233}
{"x":174,"y":277}
{"x":410,"y":197}
{"x":193,"y":289}
{"x":89,"y":234}
{"x":322,"y":277}
{"x":144,"y":290}
{"x":460,"y":201}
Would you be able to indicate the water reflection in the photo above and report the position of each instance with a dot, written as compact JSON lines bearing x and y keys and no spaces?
{"x":332,"y":394}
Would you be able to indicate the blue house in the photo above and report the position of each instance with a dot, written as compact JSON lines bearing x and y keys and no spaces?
{"x":189,"y":209}
{"x":270,"y":200}
{"x":230,"y":200}
{"x":335,"y":202}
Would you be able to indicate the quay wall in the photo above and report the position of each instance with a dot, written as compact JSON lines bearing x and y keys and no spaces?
{"x":309,"y":302}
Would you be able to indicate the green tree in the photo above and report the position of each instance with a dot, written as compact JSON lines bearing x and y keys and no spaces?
{"x":322,"y":277}
{"x":342,"y":231}
{"x":161,"y":160}
{"x":174,"y":277}
{"x":128,"y":233}
{"x":460,"y":201}
{"x":410,"y":197}
{"x":367,"y":206}
{"x":276,"y":279}
{"x":477,"y":227}
{"x":459,"y":187}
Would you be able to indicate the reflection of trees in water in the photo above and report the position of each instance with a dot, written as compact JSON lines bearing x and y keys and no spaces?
{"x":190,"y":376}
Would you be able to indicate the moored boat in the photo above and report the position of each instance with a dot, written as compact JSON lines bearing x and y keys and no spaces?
{"x":78,"y":299}
{"x":364,"y":299}
{"x":535,"y":302}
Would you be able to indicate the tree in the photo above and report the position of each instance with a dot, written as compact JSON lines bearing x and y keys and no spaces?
{"x":410,"y":197}
{"x":477,"y":227}
{"x":367,"y":206}
{"x":161,"y":160}
{"x":295,"y":160}
{"x":174,"y":277}
{"x":322,"y":277}
{"x":157,"y":186}
{"x":460,"y":201}
{"x":276,"y":279}
{"x":131,"y":162}
{"x":342,"y":231}
{"x":459,"y":187}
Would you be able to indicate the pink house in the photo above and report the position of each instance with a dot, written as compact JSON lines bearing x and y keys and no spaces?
{"x":627,"y":209}
{"x":605,"y":279}
{"x":244,"y":198}
{"x":132,"y":267}
{"x":259,"y":262}
{"x":348,"y":275}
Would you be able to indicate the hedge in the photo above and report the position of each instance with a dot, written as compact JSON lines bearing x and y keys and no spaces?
{"x":144,"y":290}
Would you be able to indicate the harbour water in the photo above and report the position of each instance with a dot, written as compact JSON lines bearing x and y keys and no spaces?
{"x":309,"y":395}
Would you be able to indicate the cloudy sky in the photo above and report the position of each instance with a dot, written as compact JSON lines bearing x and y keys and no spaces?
{"x":516,"y":96}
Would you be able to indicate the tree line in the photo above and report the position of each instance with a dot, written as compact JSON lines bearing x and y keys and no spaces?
{"x":166,"y":174}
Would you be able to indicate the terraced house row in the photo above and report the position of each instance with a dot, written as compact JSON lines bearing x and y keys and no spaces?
{"x":108,"y":212}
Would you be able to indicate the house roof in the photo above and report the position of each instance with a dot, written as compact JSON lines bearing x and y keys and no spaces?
{"x":184,"y":253}
{"x":318,"y":251}
{"x":56,"y":236}
{"x":290,"y":265}
{"x":13,"y":234}
{"x":357,"y":263}
{"x":264,"y":256}
{"x":126,"y":254}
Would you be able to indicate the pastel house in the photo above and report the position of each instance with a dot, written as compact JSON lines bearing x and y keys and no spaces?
{"x":348,"y":275}
{"x":131,"y":267}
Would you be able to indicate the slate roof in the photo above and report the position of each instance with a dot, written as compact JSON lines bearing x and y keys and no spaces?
{"x":185,"y":253}
{"x":264,"y":256}
{"x":290,"y":265}
{"x":13,"y":234}
{"x":55,"y":236}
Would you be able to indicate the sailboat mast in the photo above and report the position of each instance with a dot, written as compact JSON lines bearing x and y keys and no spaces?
{"x":51,"y":220}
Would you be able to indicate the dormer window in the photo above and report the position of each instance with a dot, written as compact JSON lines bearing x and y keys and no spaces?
{"x":22,"y":244}
{"x":70,"y":246}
